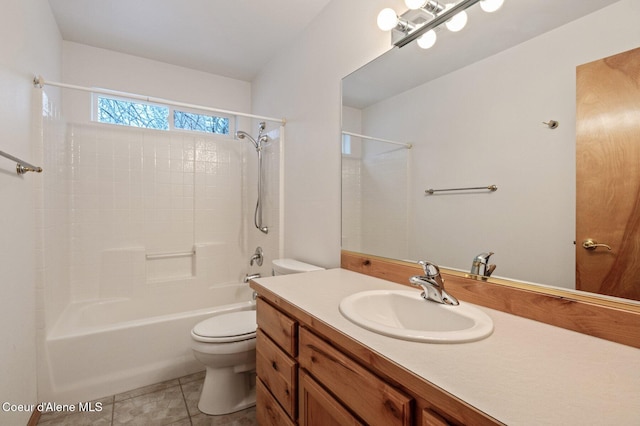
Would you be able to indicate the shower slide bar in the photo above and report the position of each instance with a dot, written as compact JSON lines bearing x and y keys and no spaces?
{"x":40,"y":82}
{"x":491,"y":188}
{"x":170,"y":255}
{"x":406,"y":145}
{"x":22,"y":167}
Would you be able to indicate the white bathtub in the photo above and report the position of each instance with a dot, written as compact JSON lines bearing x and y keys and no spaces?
{"x":103,"y":347}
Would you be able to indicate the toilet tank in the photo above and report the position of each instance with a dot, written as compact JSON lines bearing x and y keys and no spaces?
{"x":291,"y":266}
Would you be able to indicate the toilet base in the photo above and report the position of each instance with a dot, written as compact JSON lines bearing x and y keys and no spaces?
{"x":225,"y":391}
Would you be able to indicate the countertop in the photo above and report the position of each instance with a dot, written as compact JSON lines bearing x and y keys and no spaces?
{"x":525,"y":373}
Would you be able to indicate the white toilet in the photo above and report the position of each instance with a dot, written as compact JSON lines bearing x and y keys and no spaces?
{"x":226,"y":345}
{"x":291,"y":266}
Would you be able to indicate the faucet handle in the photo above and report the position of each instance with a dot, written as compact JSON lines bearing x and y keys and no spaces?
{"x":430,"y":270}
{"x":483,"y":257}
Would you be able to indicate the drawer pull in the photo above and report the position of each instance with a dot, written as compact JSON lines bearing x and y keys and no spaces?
{"x":274,"y":365}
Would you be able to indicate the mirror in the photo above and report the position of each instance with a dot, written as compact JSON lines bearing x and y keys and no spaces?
{"x":475,"y":119}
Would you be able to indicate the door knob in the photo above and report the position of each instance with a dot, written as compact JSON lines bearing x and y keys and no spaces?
{"x":592,"y":245}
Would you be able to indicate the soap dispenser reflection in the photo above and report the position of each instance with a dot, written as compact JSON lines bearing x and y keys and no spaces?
{"x":481,"y":265}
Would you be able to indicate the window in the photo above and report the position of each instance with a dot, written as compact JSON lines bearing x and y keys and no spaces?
{"x":128,"y":112}
{"x":201,"y":123}
{"x":346,"y":144}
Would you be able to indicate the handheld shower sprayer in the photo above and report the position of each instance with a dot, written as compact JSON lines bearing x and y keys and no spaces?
{"x":262,"y":139}
{"x":258,"y":145}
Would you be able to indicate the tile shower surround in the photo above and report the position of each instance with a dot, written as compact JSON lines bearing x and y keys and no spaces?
{"x":378,"y":178}
{"x":111,"y":192}
{"x":174,"y":402}
{"x":147,"y":189}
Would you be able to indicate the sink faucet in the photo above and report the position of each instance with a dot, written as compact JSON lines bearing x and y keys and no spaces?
{"x":433,"y":284}
{"x":481,"y":265}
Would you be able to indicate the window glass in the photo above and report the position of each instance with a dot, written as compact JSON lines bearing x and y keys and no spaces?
{"x":129,"y":113}
{"x":200,"y":122}
{"x":346,"y":144}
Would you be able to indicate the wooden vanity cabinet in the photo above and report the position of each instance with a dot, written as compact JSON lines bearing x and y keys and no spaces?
{"x":312,"y":375}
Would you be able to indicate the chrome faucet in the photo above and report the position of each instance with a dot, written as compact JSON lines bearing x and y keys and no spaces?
{"x":257,"y":257}
{"x":433,"y":284}
{"x":481,"y":265}
{"x":249,"y":277}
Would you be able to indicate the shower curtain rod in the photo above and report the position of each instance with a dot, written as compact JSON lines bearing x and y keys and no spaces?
{"x":406,"y":145}
{"x":40,"y":82}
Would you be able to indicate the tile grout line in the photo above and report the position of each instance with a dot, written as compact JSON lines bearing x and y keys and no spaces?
{"x":113,"y":409}
{"x":184,"y":399}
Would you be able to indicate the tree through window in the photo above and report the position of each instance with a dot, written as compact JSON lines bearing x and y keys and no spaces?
{"x":149,"y":116}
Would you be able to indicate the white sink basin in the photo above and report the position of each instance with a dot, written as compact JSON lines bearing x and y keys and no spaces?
{"x":404,"y":314}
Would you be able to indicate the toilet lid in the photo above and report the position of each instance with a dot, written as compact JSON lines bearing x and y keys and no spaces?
{"x":228,"y":325}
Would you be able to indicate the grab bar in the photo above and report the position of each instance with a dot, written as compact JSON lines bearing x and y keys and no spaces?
{"x":170,"y":255}
{"x":22,"y":167}
{"x":491,"y":188}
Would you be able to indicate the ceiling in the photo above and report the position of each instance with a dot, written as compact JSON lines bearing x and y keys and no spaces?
{"x":232,"y":38}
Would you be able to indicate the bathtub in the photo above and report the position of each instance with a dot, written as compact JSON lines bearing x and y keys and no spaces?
{"x":103,"y":347}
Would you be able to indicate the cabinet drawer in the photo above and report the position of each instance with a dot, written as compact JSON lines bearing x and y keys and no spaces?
{"x":368,"y":396}
{"x":268,"y":411}
{"x":282,"y":329}
{"x":278,"y":372}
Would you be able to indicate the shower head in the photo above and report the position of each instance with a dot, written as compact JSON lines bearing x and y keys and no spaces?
{"x":241,"y":135}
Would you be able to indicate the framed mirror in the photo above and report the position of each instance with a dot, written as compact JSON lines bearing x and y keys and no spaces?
{"x":474,"y":111}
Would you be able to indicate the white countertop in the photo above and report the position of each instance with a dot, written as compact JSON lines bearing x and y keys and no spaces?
{"x":525,"y":373}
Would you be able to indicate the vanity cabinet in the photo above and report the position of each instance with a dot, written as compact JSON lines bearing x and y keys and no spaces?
{"x":312,"y":375}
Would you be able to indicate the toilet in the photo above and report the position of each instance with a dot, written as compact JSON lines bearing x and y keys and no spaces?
{"x":291,"y":266}
{"x":226,"y":345}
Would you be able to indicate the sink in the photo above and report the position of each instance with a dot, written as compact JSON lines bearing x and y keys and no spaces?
{"x":404,"y":314}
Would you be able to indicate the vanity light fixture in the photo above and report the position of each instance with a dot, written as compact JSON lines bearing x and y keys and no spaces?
{"x":412,"y":24}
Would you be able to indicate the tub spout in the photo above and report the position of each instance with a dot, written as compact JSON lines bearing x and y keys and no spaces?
{"x":249,"y":277}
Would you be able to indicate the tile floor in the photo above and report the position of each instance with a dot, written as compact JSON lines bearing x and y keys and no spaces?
{"x":174,"y":402}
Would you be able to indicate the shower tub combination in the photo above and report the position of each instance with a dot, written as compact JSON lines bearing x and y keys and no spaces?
{"x":108,"y":346}
{"x":144,"y":237}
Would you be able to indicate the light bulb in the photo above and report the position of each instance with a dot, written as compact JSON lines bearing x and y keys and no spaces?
{"x":458,"y":21}
{"x":415,"y":4}
{"x":491,"y":5}
{"x":387,"y":19}
{"x":427,"y":40}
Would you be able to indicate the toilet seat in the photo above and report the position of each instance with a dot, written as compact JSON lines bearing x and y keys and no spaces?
{"x":225,"y":328}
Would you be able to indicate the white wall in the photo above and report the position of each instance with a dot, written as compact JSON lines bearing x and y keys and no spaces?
{"x":30,"y":44}
{"x":93,"y":67}
{"x":482,"y":125}
{"x":302,"y":84}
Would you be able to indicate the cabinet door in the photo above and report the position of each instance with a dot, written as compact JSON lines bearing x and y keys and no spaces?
{"x":268,"y":411}
{"x":429,"y":418}
{"x":318,"y":408}
{"x":367,"y":395}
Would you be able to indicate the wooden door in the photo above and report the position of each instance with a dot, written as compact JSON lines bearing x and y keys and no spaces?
{"x":608,"y":175}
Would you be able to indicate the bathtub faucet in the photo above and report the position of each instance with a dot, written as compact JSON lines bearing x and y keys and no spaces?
{"x":248,"y":277}
{"x":257,"y":257}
